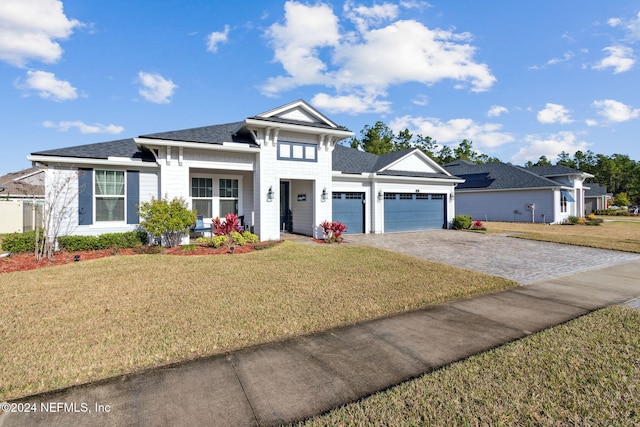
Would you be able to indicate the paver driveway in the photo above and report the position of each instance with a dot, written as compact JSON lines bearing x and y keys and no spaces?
{"x":525,"y":261}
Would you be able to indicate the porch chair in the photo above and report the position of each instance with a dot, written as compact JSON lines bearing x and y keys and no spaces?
{"x":199,"y":226}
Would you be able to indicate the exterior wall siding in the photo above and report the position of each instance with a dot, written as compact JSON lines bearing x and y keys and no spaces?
{"x":500,"y":205}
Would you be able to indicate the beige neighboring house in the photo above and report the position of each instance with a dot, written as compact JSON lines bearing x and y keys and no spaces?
{"x":21,"y":199}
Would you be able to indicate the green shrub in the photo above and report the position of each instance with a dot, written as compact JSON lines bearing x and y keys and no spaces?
{"x":168,"y":218}
{"x":250,"y":237}
{"x":20,"y":242}
{"x":213,"y":242}
{"x":237,"y":238}
{"x":462,"y":222}
{"x":129,"y":239}
{"x":572,"y":219}
{"x":188,"y":248}
{"x":594,"y":221}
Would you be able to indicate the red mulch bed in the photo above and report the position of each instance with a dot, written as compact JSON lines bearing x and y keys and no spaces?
{"x":21,"y":262}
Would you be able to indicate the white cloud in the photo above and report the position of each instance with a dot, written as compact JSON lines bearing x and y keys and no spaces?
{"x":620,"y":59}
{"x":156,"y":88}
{"x":83,"y":127}
{"x":29,"y":30}
{"x":497,"y":110}
{"x":484,"y":136}
{"x":549,"y":146}
{"x":314,"y":49}
{"x":350,"y":104}
{"x":48,"y":86}
{"x":591,"y":122}
{"x":615,"y":111}
{"x":216,"y":38}
{"x":554,"y":113}
{"x":363,"y":17}
{"x":632,"y":26}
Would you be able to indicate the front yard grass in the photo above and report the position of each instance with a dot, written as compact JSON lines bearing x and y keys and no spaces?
{"x":584,"y":373}
{"x":618,"y":235}
{"x":94,"y":319}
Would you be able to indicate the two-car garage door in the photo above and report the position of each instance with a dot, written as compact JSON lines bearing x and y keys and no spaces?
{"x":413,"y":211}
{"x":402,"y":211}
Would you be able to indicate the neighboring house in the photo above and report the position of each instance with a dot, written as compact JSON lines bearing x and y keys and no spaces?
{"x":503,"y":192}
{"x":21,"y":199}
{"x":275,"y":169}
{"x":596,"y":198}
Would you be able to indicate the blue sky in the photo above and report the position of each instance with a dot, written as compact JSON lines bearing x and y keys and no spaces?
{"x":520,"y":79}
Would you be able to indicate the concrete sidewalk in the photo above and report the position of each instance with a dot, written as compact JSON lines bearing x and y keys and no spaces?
{"x":294,"y":379}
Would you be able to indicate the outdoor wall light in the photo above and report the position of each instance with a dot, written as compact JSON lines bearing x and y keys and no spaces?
{"x":324,"y":195}
{"x":270,"y":194}
{"x":380,"y":196}
{"x":451,"y":196}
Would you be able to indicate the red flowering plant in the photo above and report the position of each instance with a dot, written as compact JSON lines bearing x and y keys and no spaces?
{"x":226,"y":226}
{"x":477,"y":225}
{"x":333,"y":231}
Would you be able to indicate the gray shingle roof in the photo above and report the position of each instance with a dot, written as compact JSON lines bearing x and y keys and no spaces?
{"x":351,"y":160}
{"x":216,"y":134}
{"x":596,"y":190}
{"x":496,"y":176}
{"x":102,"y":150}
{"x":553,"y":170}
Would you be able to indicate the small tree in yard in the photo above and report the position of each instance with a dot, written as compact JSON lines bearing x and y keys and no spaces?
{"x":58,"y":207}
{"x":170,"y":219}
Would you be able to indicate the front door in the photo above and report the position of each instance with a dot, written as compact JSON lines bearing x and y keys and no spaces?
{"x":285,"y":207}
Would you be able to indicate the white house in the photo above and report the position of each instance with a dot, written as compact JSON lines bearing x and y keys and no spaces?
{"x":504,"y":192}
{"x":278,"y":170}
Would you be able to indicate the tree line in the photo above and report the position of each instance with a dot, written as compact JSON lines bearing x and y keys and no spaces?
{"x":618,"y":172}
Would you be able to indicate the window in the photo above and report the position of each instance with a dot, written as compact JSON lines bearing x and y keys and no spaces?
{"x":201,"y":196}
{"x":297,"y":151}
{"x":563,"y":203}
{"x":109,"y":195}
{"x":228,"y":196}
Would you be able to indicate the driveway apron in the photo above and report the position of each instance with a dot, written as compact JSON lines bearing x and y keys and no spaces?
{"x":524,"y":261}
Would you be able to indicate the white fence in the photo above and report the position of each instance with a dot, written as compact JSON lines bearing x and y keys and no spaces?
{"x":18,"y":216}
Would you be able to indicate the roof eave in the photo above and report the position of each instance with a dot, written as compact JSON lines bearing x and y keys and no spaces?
{"x":225,"y":146}
{"x":265,"y":123}
{"x":47,"y":160}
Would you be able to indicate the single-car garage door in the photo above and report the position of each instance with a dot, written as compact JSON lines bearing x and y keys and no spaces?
{"x":413,"y":211}
{"x":348,"y":208}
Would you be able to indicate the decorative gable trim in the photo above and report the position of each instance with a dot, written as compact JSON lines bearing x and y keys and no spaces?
{"x":423,"y":157}
{"x":298,"y":111}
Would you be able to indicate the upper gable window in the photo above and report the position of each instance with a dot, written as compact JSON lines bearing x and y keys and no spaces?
{"x":297,"y":151}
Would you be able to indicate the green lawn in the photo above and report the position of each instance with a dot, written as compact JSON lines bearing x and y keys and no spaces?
{"x":94,"y":319}
{"x":618,"y":235}
{"x":583,"y":373}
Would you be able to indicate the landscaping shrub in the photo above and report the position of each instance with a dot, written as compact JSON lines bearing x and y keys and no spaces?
{"x":237,"y":238}
{"x":250,"y":237}
{"x":572,"y":220}
{"x":214,"y":242}
{"x":170,"y":219}
{"x":20,"y":242}
{"x":333,"y":231}
{"x":462,"y":222}
{"x":129,"y":239}
{"x":226,"y":226}
{"x":478,"y":225}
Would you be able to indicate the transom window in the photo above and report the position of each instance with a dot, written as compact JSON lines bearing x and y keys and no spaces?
{"x":297,"y":151}
{"x":109,"y":195}
{"x":201,"y":196}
